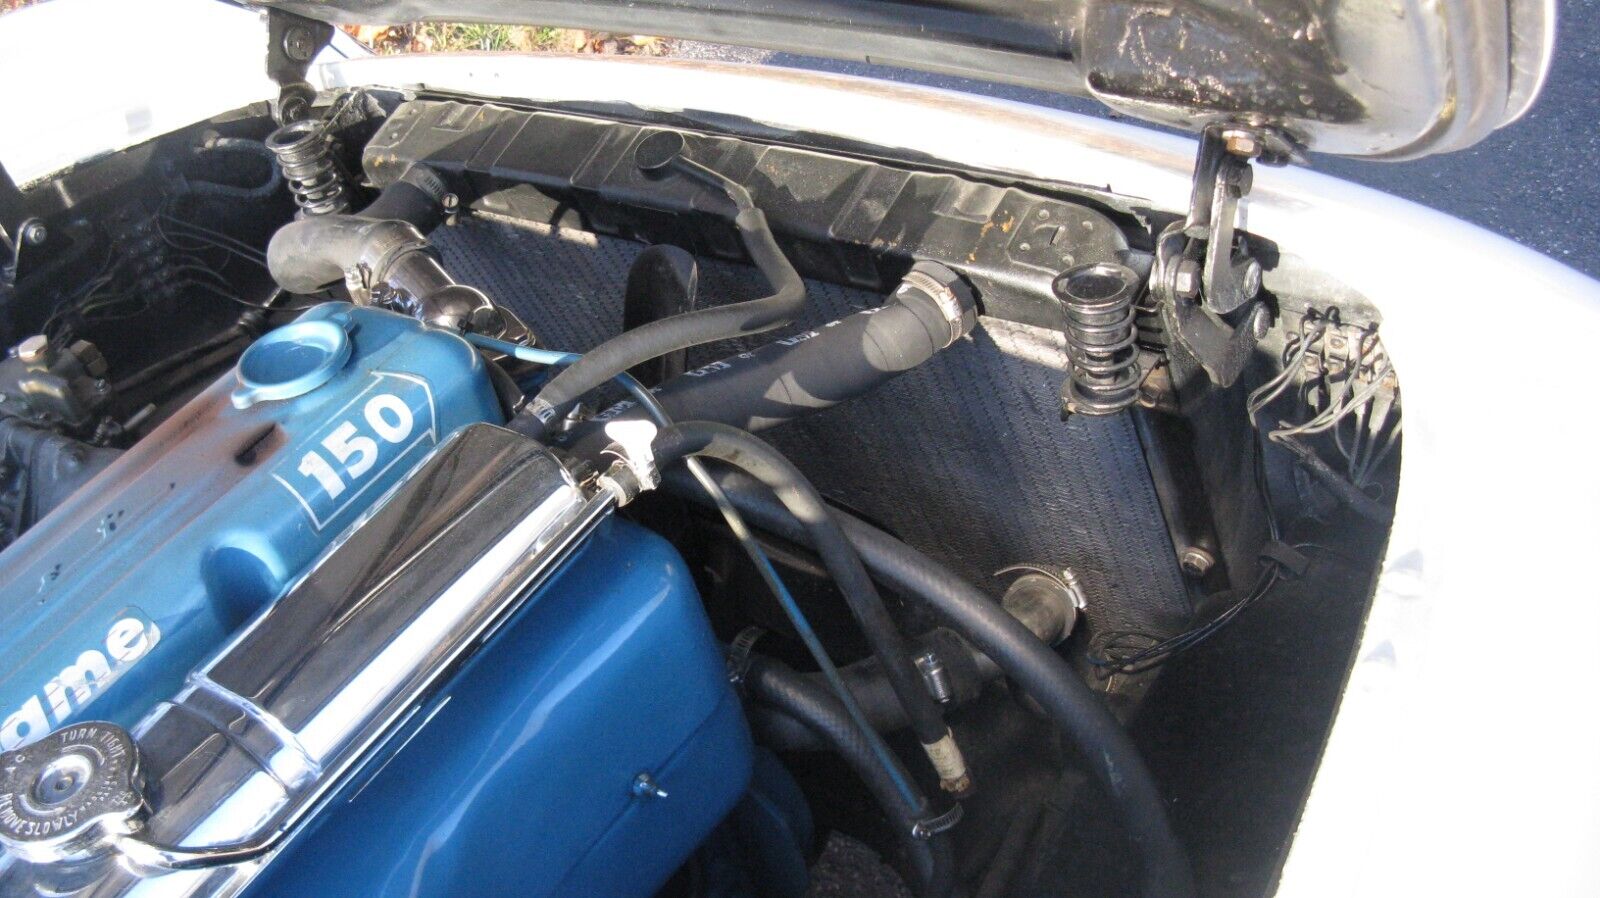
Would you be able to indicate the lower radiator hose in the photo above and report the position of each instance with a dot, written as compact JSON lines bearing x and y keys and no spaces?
{"x":929,"y":861}
{"x":1045,"y":676}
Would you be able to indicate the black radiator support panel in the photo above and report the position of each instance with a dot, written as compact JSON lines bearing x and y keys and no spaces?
{"x":843,"y":220}
{"x":966,"y":457}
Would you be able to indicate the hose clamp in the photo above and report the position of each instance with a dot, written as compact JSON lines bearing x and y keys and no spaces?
{"x":956,"y":313}
{"x":739,"y":653}
{"x":928,"y":827}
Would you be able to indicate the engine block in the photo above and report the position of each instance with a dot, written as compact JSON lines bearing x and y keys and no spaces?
{"x":112,"y":598}
{"x":335,"y":608}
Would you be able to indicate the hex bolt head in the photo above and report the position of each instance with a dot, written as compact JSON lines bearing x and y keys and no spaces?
{"x":645,"y":786}
{"x":35,"y":233}
{"x":1196,"y":562}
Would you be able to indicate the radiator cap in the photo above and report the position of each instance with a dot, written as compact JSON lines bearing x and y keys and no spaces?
{"x":70,"y":795}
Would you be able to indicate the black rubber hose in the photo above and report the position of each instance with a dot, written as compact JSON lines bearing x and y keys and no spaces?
{"x":308,"y":254}
{"x":1083,"y":720}
{"x":261,"y":191}
{"x":966,"y":671}
{"x":416,"y":198}
{"x":930,"y":865}
{"x":818,"y":369}
{"x":767,"y":465}
{"x":708,"y":325}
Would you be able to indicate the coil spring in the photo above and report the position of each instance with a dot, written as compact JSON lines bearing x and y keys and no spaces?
{"x":304,"y":150}
{"x":1097,"y":300}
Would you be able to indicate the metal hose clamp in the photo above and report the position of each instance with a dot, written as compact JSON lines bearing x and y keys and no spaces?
{"x":739,"y":653}
{"x":928,"y":827}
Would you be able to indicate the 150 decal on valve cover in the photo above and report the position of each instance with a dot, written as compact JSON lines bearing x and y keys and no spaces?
{"x":374,"y":431}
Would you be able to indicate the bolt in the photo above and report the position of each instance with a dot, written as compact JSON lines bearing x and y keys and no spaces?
{"x":1196,"y":562}
{"x":1240,"y":142}
{"x":1044,"y":214}
{"x":1025,"y":247}
{"x":298,"y":44}
{"x":1260,"y":322}
{"x":1186,"y":279}
{"x":645,"y":786}
{"x":450,"y":202}
{"x":34,"y":233}
{"x":1249,"y":278}
{"x":33,"y":349}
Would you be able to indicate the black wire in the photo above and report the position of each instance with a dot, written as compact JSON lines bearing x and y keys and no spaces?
{"x":1119,"y":652}
{"x":1113,"y":661}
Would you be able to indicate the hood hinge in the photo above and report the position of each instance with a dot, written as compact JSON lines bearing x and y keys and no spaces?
{"x":292,"y":42}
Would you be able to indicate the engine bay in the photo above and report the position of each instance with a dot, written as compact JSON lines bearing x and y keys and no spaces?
{"x":383,"y":510}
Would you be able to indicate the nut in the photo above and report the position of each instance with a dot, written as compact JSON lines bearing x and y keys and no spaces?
{"x":1240,"y":142}
{"x":1250,"y":278}
{"x":1196,"y":562}
{"x":1186,"y":279}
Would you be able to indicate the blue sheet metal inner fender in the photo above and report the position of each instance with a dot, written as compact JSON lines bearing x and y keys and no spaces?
{"x":112,"y":598}
{"x":519,"y":778}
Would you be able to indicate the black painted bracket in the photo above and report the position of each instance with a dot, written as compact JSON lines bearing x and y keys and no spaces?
{"x":292,"y":42}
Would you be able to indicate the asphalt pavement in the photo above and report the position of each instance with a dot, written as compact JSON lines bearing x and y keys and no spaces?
{"x":1531,"y":181}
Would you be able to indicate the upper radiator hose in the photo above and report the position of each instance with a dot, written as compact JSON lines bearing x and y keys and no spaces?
{"x":386,"y":259}
{"x":820,"y":368}
{"x":657,"y":155}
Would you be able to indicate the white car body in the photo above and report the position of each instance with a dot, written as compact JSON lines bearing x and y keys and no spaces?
{"x":1454,"y":766}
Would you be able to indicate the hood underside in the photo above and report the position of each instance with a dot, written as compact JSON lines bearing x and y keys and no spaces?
{"x":1377,"y":78}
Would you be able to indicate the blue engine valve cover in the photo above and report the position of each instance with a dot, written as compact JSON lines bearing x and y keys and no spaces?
{"x":115,"y":596}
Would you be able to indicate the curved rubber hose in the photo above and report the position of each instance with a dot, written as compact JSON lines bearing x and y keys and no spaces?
{"x":1039,"y":671}
{"x":817,"y":369}
{"x":267,"y":188}
{"x":658,"y":338}
{"x":416,"y":198}
{"x":306,"y":255}
{"x":310,"y":253}
{"x":777,"y":686}
{"x":766,"y":464}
